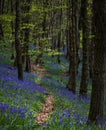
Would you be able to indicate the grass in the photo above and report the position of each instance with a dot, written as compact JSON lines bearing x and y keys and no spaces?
{"x":20,"y":101}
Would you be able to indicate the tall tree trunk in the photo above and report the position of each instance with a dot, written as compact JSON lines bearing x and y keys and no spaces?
{"x":77,"y":33}
{"x":99,"y":68}
{"x":59,"y":33}
{"x":73,"y":63}
{"x":67,"y":29}
{"x":12,"y":27}
{"x":58,"y":46}
{"x":27,"y":34}
{"x":91,"y":46}
{"x":85,"y":44}
{"x":17,"y":41}
{"x":1,"y":26}
{"x":28,"y":64}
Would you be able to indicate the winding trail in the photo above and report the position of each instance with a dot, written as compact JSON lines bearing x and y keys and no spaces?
{"x":47,"y":106}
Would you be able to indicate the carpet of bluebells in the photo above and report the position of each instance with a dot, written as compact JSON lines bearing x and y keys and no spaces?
{"x":20,"y":101}
{"x":71,"y":110}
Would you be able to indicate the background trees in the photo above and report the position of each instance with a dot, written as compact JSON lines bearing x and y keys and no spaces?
{"x":59,"y":28}
{"x":99,"y":70}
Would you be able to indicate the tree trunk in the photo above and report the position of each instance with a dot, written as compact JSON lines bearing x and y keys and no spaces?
{"x":12,"y":27}
{"x":77,"y":33}
{"x":85,"y":44}
{"x":1,"y":26}
{"x":91,"y":47}
{"x":58,"y":46}
{"x":28,"y":64}
{"x":59,"y":33}
{"x":27,"y":34}
{"x":17,"y":41}
{"x":99,"y":68}
{"x":73,"y":63}
{"x":67,"y":28}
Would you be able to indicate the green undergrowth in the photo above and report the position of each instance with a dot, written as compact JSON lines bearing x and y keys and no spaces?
{"x":70,"y":111}
{"x":20,"y":101}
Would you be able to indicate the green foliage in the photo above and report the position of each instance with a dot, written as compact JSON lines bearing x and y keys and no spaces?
{"x":27,"y":26}
{"x":91,"y":36}
{"x":7,"y":17}
{"x":42,"y":20}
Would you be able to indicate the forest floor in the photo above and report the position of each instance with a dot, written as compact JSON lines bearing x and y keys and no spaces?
{"x":39,"y":70}
{"x":41,"y":101}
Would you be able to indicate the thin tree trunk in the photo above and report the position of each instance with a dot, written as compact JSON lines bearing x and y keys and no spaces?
{"x":67,"y":29}
{"x":1,"y":26}
{"x":28,"y":64}
{"x":85,"y":44}
{"x":59,"y":34}
{"x":91,"y":47}
{"x":73,"y":63}
{"x":27,"y":34}
{"x":12,"y":27}
{"x":17,"y":41}
{"x":58,"y":46}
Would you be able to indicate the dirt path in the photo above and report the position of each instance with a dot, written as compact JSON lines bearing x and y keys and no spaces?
{"x":39,"y":70}
{"x":47,"y":106}
{"x":47,"y":110}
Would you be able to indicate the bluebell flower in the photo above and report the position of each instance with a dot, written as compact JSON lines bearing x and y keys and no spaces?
{"x":13,"y":110}
{"x":4,"y":128}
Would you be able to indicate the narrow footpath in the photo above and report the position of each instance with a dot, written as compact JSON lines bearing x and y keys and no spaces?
{"x":47,"y":106}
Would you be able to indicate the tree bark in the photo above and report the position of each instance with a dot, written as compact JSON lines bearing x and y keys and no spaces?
{"x":1,"y":26}
{"x":85,"y":44}
{"x":73,"y":62}
{"x":12,"y":27}
{"x":27,"y":34}
{"x":99,"y":69}
{"x":17,"y":41}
